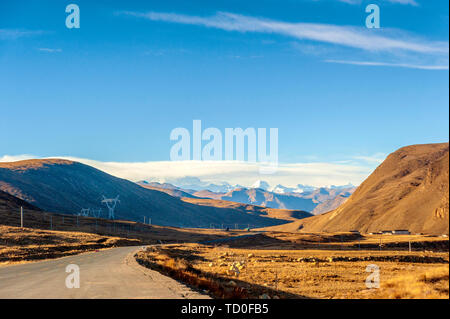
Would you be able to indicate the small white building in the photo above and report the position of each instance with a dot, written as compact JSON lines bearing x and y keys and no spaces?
{"x":401,"y":232}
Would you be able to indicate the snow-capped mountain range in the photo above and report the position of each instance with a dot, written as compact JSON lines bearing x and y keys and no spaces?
{"x":196,"y":184}
{"x":280,"y":189}
{"x":312,"y":199}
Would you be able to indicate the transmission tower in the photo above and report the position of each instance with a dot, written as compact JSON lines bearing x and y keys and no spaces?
{"x":96,"y":212}
{"x":111,"y":204}
{"x":85,"y":212}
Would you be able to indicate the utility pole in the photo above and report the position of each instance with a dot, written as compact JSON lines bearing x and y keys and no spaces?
{"x":21,"y":217}
{"x":276,"y":278}
{"x":144,"y":220}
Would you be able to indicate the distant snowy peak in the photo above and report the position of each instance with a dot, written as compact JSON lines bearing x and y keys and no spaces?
{"x":196,"y":184}
{"x":304,"y":188}
{"x":349,"y":185}
{"x":190,"y":183}
{"x":261,"y":184}
{"x":280,"y":189}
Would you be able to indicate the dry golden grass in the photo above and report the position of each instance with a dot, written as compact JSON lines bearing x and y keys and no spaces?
{"x":266,"y":271}
{"x":146,"y":234}
{"x":72,"y":235}
{"x":20,"y":245}
{"x":181,"y":269}
{"x":430,"y":284}
{"x":342,"y":241}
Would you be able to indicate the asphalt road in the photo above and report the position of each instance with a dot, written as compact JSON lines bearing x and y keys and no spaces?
{"x":107,"y":274}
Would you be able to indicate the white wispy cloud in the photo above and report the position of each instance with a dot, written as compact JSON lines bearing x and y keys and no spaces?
{"x":355,"y":37}
{"x":243,"y":173}
{"x":350,"y":1}
{"x":403,"y":2}
{"x":12,"y":34}
{"x":15,"y":158}
{"x":377,"y":158}
{"x":50,"y":50}
{"x":391,"y":45}
{"x":408,"y":2}
{"x":400,"y":65}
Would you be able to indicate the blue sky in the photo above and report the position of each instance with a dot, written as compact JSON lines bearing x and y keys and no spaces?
{"x":113,"y":90}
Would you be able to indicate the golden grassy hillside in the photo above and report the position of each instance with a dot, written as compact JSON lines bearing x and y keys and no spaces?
{"x":409,"y":190}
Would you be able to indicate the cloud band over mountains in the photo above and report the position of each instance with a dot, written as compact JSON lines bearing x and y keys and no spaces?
{"x":243,"y":173}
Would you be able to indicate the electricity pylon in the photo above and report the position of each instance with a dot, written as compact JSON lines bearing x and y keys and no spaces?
{"x":111,"y":204}
{"x":85,"y":212}
{"x":96,"y":212}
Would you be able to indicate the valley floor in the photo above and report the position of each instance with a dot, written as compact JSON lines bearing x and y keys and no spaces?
{"x":21,"y":245}
{"x":282,"y":265}
{"x":241,"y":264}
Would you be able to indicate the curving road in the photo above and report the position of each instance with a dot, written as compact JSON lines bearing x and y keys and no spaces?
{"x":112,"y":273}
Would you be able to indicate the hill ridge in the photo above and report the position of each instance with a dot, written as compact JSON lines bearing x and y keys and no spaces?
{"x":409,"y":190}
{"x":65,"y":187}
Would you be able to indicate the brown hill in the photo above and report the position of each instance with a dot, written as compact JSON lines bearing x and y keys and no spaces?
{"x":61,"y":186}
{"x":260,"y":197}
{"x":306,"y":201}
{"x":11,"y":203}
{"x":320,"y":200}
{"x":173,"y":191}
{"x":409,"y":190}
{"x":284,"y":214}
{"x":330,"y":204}
{"x":208,"y":194}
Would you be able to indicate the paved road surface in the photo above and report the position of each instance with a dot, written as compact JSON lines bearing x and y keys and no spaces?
{"x":112,"y":273}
